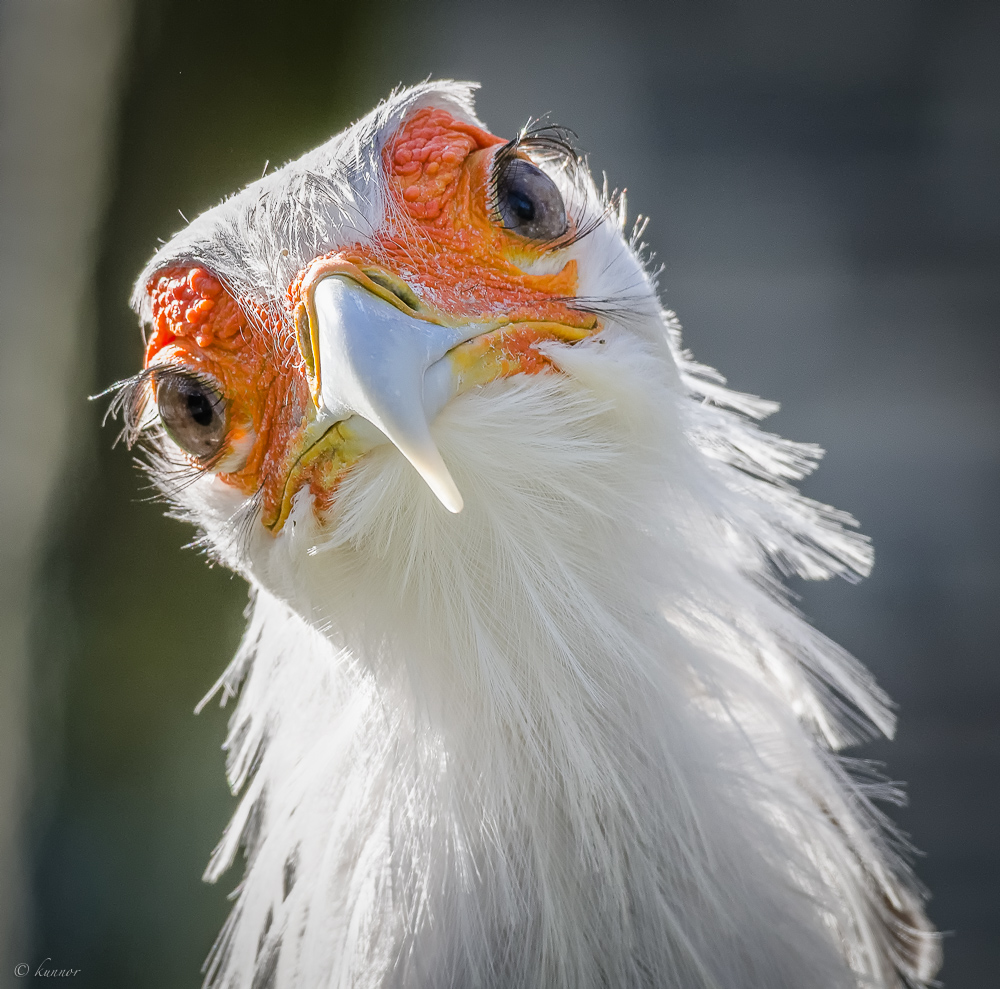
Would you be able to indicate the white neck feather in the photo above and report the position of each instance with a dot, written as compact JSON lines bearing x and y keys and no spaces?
{"x":555,"y":741}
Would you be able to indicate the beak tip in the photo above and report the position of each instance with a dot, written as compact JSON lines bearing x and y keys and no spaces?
{"x":372,"y":360}
{"x":447,"y":493}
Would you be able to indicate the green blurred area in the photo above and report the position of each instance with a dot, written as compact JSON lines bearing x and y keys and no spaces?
{"x":134,"y":631}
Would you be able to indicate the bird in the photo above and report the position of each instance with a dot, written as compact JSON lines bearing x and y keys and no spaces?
{"x":523,"y":699}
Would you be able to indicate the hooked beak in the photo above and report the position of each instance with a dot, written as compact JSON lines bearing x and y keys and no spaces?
{"x":370,"y":358}
{"x":376,"y":354}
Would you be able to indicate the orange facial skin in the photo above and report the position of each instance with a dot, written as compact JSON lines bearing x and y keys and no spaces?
{"x":441,"y":239}
{"x":200,"y":326}
{"x":459,"y":265}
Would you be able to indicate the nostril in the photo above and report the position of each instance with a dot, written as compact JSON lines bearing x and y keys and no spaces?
{"x":303,"y":337}
{"x":396,"y":286}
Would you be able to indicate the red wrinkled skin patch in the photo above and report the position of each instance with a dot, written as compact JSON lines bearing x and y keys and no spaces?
{"x":426,"y":160}
{"x":197,"y":324}
{"x":189,"y":302}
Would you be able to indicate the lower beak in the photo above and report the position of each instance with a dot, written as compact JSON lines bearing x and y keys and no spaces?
{"x":370,"y":358}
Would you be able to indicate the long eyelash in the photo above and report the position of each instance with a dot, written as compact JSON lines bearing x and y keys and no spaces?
{"x":132,"y":400}
{"x":242,"y":522}
{"x":549,"y":144}
{"x":236,"y":531}
{"x":169,"y":475}
{"x":168,"y":478}
{"x":501,"y":159}
{"x":587,"y":227}
{"x":618,"y":308}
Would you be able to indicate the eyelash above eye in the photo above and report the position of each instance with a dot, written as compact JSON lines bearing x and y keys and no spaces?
{"x":555,"y":147}
{"x":134,"y":401}
{"x":548,"y":144}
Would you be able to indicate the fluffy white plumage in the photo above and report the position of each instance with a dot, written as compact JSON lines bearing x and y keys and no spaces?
{"x":575,"y":736}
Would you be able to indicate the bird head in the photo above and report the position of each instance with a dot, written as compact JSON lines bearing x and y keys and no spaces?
{"x":420,"y":338}
{"x":344,"y":301}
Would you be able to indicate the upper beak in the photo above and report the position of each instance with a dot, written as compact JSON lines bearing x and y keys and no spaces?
{"x":372,"y":359}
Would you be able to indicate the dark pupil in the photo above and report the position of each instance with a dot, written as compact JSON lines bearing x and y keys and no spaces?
{"x":521,"y":204}
{"x":200,"y":407}
{"x":528,"y":201}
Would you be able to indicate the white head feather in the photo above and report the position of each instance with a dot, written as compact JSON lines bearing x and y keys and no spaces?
{"x":576,"y":735}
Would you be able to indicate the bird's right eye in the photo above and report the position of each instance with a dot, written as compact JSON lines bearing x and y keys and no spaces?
{"x":193,"y":412}
{"x":527,"y":201}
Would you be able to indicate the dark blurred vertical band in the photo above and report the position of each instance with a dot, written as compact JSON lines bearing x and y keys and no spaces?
{"x":58,"y":64}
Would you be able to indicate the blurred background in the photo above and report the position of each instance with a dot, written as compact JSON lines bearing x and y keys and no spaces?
{"x":822,"y":178}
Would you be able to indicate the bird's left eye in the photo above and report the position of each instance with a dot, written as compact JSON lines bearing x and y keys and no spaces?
{"x":193,"y":413}
{"x":527,"y":200}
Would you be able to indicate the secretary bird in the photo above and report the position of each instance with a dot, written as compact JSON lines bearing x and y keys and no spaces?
{"x":523,"y":700}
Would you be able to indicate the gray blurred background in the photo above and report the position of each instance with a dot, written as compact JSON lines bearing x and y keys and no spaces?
{"x":822,"y":178}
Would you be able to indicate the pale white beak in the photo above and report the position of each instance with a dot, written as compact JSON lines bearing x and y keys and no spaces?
{"x":377,"y":362}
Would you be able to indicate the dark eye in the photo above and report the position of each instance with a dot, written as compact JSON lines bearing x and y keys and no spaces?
{"x":193,"y":413}
{"x":528,"y":202}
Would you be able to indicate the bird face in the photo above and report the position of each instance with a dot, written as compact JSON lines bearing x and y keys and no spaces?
{"x":471,"y":259}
